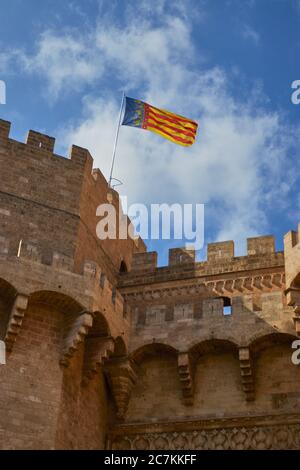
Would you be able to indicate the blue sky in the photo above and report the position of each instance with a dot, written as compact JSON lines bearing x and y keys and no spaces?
{"x":229,"y":64}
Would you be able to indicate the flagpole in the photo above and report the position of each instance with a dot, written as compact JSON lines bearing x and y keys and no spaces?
{"x":116,"y":142}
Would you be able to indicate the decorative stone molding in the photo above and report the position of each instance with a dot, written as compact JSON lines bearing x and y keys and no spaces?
{"x":246,"y":373}
{"x":97,"y":352}
{"x":255,"y":433}
{"x":15,"y":320}
{"x":76,"y":328}
{"x":237,"y":286}
{"x":185,"y":371}
{"x":122,"y":378}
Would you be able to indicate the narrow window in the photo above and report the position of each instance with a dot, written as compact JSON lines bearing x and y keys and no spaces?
{"x":226,"y":306}
{"x":123,"y":267}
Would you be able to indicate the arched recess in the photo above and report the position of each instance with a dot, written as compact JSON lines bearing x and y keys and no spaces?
{"x":7,"y":290}
{"x":60,"y":301}
{"x":100,"y":326}
{"x":216,"y":375}
{"x":277,"y":379}
{"x":260,"y":343}
{"x":157,"y":392}
{"x":152,"y":350}
{"x":7,"y":296}
{"x":213,"y":345}
{"x":64,"y":314}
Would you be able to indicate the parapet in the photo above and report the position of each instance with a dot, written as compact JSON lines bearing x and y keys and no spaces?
{"x":181,"y":256}
{"x":220,"y":258}
{"x":36,"y":141}
{"x":220,"y":251}
{"x":144,"y":261}
{"x":261,"y":245}
{"x":69,"y":188}
{"x":82,"y":157}
{"x":40,"y":141}
{"x":62,"y":265}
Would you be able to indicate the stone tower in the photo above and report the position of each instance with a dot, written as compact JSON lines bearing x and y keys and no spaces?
{"x":107,"y":350}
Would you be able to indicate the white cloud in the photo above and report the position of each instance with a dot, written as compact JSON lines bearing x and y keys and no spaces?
{"x":67,"y":62}
{"x":239,"y":159}
{"x":250,"y":33}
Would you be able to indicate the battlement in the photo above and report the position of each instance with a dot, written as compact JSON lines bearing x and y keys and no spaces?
{"x":43,"y":194}
{"x":44,"y":145}
{"x":32,"y":254}
{"x":220,"y":259}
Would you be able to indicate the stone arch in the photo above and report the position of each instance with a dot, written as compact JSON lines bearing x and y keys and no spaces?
{"x":210,"y":344}
{"x":151,"y":350}
{"x":7,"y":290}
{"x":274,"y":372}
{"x":58,"y":300}
{"x":260,"y":342}
{"x":157,"y":389}
{"x":216,"y":375}
{"x":100,"y":326}
{"x":66,"y":315}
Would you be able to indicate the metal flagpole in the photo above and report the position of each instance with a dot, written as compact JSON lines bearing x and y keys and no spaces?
{"x":116,"y":141}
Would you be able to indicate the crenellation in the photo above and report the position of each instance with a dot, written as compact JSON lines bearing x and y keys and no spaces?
{"x":144,"y":261}
{"x":106,"y":349}
{"x":179,"y":256}
{"x":29,"y":250}
{"x":81,"y":157}
{"x":261,"y":245}
{"x":62,"y":262}
{"x":91,"y":270}
{"x":36,"y":140}
{"x":220,"y":260}
{"x":220,"y":252}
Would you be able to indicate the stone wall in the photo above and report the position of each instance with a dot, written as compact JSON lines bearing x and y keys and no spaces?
{"x":193,"y":355}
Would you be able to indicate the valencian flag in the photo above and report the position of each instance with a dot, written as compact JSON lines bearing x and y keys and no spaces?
{"x":178,"y":129}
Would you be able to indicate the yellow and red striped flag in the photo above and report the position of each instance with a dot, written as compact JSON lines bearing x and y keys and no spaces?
{"x":173,"y":127}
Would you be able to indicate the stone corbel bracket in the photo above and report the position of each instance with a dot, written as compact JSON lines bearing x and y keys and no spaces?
{"x":293,"y":300}
{"x":186,"y":377}
{"x":122,"y":376}
{"x":15,"y":320}
{"x":97,"y":352}
{"x":76,"y":329}
{"x":247,"y":373}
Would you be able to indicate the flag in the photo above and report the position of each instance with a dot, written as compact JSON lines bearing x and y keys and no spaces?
{"x":178,"y":129}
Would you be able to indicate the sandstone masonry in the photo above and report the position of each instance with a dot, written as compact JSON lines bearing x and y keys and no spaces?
{"x":107,"y":350}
